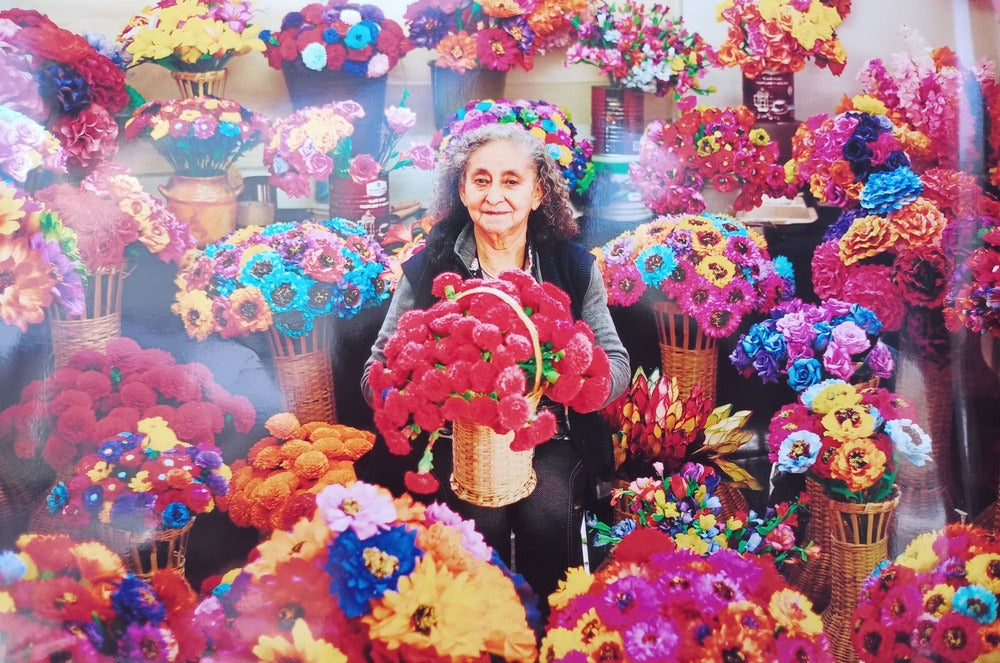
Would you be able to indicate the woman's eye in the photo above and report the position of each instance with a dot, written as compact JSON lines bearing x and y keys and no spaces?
{"x":480,"y":181}
{"x":512,"y":182}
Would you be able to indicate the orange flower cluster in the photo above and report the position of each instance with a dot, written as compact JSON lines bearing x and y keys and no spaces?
{"x":278,"y":482}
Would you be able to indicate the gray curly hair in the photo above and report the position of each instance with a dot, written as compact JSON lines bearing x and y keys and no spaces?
{"x":554,"y":218}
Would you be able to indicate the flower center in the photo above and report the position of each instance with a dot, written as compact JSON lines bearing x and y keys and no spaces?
{"x":733,"y":655}
{"x":288,"y":614}
{"x":856,"y":459}
{"x":423,"y":619}
{"x":955,"y":638}
{"x":350,"y":507}
{"x":872,"y":642}
{"x":150,"y":650}
{"x":724,"y":591}
{"x":248,"y":310}
{"x":380,"y":563}
{"x":283,"y":295}
{"x":352,"y":296}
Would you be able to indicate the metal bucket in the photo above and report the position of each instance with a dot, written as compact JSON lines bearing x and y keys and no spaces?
{"x":367,"y":204}
{"x":617,"y":119}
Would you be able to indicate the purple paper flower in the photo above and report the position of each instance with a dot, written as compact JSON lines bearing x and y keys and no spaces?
{"x":361,"y":507}
{"x":850,"y":338}
{"x":880,"y":360}
{"x":68,"y":290}
{"x":838,"y":362}
{"x":652,"y":639}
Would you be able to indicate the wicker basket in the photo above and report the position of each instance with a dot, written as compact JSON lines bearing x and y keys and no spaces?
{"x":146,"y":552}
{"x":305,"y":373}
{"x":812,"y":577}
{"x":100,"y":324}
{"x":201,"y":83}
{"x":486,"y":471}
{"x":859,"y":540}
{"x":686,"y":353}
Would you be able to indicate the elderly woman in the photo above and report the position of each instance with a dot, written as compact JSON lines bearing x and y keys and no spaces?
{"x":502,"y":204}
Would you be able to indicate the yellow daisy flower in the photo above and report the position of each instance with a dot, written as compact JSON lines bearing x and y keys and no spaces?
{"x":839,"y":394}
{"x":793,"y":611}
{"x":919,"y":554}
{"x":577,"y":581}
{"x":937,"y":602}
{"x":303,"y":647}
{"x":984,"y":569}
{"x":308,"y":539}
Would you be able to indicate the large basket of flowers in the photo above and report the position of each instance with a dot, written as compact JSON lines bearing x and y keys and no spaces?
{"x":481,"y":358}
{"x":711,"y":270}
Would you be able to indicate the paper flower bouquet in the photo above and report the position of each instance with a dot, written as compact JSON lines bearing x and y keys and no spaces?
{"x":357,"y":39}
{"x":26,"y":146}
{"x":98,"y":395}
{"x":39,"y":261}
{"x":975,"y":290}
{"x":850,"y":441}
{"x":684,"y":506}
{"x":636,"y":45}
{"x":283,"y":276}
{"x":315,"y":143}
{"x":715,"y":268}
{"x":653,"y":423}
{"x":485,"y":353}
{"x":73,"y":600}
{"x":651,"y":601}
{"x":706,"y":147}
{"x":199,"y":136}
{"x":808,"y":343}
{"x":372,"y":578}
{"x":81,"y":89}
{"x":936,"y":600}
{"x":277,"y":483}
{"x":550,"y":123}
{"x":143,"y":481}
{"x":781,"y":35}
{"x":191,"y":35}
{"x":471,"y":35}
{"x":113,"y":215}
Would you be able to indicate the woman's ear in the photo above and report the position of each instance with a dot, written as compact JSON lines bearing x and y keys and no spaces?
{"x":536,"y":196}
{"x":461,"y":191}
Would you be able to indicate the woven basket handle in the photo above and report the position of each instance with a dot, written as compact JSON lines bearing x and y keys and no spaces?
{"x":528,"y":324}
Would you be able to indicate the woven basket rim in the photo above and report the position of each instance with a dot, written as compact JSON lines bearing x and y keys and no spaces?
{"x":882,"y":506}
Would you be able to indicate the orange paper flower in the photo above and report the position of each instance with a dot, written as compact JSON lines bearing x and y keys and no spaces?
{"x":858,"y":463}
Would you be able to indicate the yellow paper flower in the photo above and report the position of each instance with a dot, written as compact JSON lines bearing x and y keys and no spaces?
{"x":159,"y":435}
{"x":11,"y":209}
{"x":577,"y":581}
{"x":937,"y":602}
{"x":858,"y":463}
{"x":560,"y":642}
{"x":140,"y":482}
{"x":838,"y":394}
{"x":303,"y":648}
{"x":6,"y":603}
{"x":850,"y":422}
{"x":984,"y":569}
{"x":691,"y":541}
{"x":919,"y":554}
{"x":307,"y":539}
{"x":97,"y":562}
{"x":100,"y":471}
{"x":793,"y":611}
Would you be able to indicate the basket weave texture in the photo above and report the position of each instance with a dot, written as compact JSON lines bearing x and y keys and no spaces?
{"x":146,"y":552}
{"x":101,"y":323}
{"x":305,"y":373}
{"x":859,"y":540}
{"x":487,"y":472}
{"x":686,"y":353}
{"x":201,"y":83}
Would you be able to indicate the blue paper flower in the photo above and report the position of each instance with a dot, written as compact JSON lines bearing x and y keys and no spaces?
{"x":12,"y":568}
{"x":261,"y":268}
{"x":135,"y":601}
{"x":804,"y":373}
{"x":57,"y":498}
{"x":314,"y":56}
{"x":93,"y":498}
{"x":176,"y":515}
{"x":363,"y":570}
{"x":977,"y":602}
{"x":656,"y":264}
{"x":799,"y":451}
{"x":890,"y":190}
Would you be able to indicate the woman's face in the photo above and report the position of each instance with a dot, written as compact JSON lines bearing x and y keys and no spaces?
{"x":500,"y":189}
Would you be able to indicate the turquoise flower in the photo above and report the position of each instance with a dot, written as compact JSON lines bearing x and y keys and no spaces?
{"x":229,"y":129}
{"x":314,"y":57}
{"x":287,"y":291}
{"x":799,"y":451}
{"x":656,"y":263}
{"x":359,"y":36}
{"x":783,"y":268}
{"x":343,"y":227}
{"x":977,"y":602}
{"x":366,"y":569}
{"x":262,"y":268}
{"x":57,"y":498}
{"x":888,"y":191}
{"x":276,"y":228}
{"x":294,"y":323}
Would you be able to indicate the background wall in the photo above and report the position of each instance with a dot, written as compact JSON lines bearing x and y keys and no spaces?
{"x":873,"y":29}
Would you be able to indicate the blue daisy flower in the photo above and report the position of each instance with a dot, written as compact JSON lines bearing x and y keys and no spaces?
{"x":176,"y":515}
{"x":891,"y":190}
{"x":363,"y":570}
{"x":57,"y":498}
{"x":261,"y":268}
{"x":286,"y":291}
{"x":656,"y":264}
{"x":134,"y":601}
{"x":977,"y":602}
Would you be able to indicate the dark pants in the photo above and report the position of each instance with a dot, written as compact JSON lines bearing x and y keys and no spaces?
{"x":545,"y":524}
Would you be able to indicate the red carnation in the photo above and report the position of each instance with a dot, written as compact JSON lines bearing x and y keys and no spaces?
{"x":59,"y":452}
{"x":89,"y":137}
{"x":63,"y":378}
{"x":422,"y":483}
{"x":483,"y":410}
{"x":94,"y":383}
{"x":514,"y":412}
{"x":76,"y":423}
{"x":64,"y":400}
{"x":138,"y":395}
{"x":88,"y":359}
{"x":107,"y":81}
{"x":539,"y":430}
{"x":313,"y":13}
{"x":336,"y":54}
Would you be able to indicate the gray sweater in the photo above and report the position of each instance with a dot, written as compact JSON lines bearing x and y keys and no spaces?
{"x":594,"y":312}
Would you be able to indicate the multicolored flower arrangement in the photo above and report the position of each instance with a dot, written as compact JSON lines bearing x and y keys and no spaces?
{"x":835,"y":157}
{"x":639,"y":46}
{"x":808,"y":343}
{"x":283,"y":276}
{"x":706,"y":146}
{"x":81,"y":89}
{"x":315,"y":144}
{"x":551,"y":22}
{"x":850,"y":441}
{"x":112,"y":215}
{"x":549,"y":123}
{"x":200,"y":136}
{"x":26,"y":146}
{"x":372,"y":577}
{"x":277,"y":483}
{"x":73,"y":600}
{"x":974,"y":298}
{"x":927,"y":93}
{"x":191,"y":35}
{"x":780,"y":35}
{"x":402,"y":242}
{"x":889,"y":254}
{"x":651,"y":601}
{"x":357,"y":39}
{"x":100,"y":394}
{"x":652,"y":423}
{"x":684,"y":506}
{"x":39,"y":261}
{"x":143,"y":481}
{"x":713,"y":266}
{"x":937,"y":600}
{"x":493,"y":34}
{"x":485,"y":353}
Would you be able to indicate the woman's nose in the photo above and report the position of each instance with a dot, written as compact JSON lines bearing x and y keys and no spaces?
{"x":495,"y":193}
